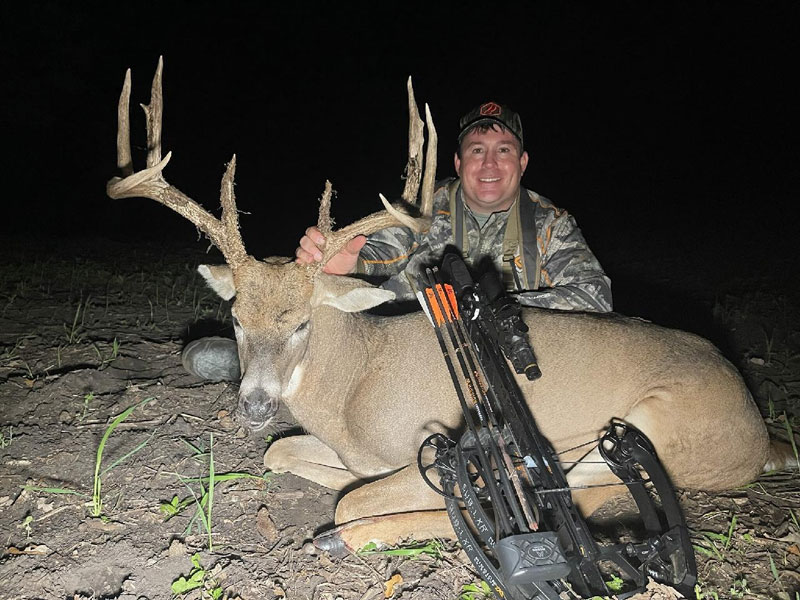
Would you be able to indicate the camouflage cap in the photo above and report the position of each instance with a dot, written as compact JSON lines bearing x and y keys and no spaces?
{"x":488,"y":113}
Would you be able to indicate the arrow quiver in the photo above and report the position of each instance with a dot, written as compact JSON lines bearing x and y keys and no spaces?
{"x":506,"y":493}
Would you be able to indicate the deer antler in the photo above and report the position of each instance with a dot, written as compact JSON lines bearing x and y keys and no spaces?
{"x":416,"y":139}
{"x":391,"y":216}
{"x":150,"y":182}
{"x":429,"y":180}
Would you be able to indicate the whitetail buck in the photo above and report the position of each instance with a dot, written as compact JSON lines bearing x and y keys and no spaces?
{"x":369,"y":389}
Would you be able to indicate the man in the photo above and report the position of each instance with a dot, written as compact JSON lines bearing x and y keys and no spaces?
{"x":485,"y":212}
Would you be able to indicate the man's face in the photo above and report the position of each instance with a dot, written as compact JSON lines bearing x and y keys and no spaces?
{"x":490,"y":169}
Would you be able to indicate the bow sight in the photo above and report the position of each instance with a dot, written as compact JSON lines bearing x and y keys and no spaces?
{"x":506,"y":493}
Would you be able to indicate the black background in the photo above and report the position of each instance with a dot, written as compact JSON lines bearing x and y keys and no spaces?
{"x":668,"y":129}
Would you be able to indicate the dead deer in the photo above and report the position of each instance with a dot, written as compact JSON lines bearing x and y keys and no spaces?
{"x":369,"y":389}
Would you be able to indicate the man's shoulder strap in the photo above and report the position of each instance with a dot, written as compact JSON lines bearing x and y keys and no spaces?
{"x":520,"y":241}
{"x":457,"y":222}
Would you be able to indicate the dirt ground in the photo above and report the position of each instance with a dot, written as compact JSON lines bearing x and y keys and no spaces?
{"x":89,"y":331}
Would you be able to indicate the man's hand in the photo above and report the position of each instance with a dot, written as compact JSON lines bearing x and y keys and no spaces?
{"x":310,"y":251}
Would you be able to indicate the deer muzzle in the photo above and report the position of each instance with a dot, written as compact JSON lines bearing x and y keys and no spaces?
{"x":256,"y":409}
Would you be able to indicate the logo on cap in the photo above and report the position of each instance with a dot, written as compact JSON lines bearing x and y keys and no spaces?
{"x":490,"y":109}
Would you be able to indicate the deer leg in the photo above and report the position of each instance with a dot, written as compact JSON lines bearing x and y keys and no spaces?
{"x":387,"y":530}
{"x":387,"y":511}
{"x":401,"y":492}
{"x":307,"y":457}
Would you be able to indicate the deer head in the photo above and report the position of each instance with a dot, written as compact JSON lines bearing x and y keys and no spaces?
{"x":274,"y":298}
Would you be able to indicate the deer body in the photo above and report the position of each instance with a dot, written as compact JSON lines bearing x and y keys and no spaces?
{"x":369,"y":389}
{"x":372,"y":388}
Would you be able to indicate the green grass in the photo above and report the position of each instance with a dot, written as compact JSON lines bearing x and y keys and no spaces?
{"x":413,"y":550}
{"x":97,"y":500}
{"x":476,"y":591}
{"x":106,"y":360}
{"x":615,"y":584}
{"x":701,"y":594}
{"x":5,"y":442}
{"x":198,"y":578}
{"x":739,"y":588}
{"x":96,"y":497}
{"x":204,"y":498}
{"x":74,"y":333}
{"x":715,"y":544}
{"x":87,"y":398}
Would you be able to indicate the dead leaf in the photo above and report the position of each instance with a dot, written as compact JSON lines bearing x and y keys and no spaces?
{"x":794,"y":549}
{"x":40,"y":550}
{"x":265,"y":526}
{"x":790,"y":538}
{"x":227,"y":423}
{"x":658,"y":591}
{"x":101,"y":525}
{"x":396,"y":579}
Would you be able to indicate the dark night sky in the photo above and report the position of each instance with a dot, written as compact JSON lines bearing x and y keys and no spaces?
{"x":668,"y":129}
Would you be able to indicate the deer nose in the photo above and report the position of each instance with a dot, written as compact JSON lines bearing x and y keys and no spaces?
{"x":256,"y":408}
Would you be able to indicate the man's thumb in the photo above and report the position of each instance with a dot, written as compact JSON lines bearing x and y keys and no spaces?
{"x":355,"y":245}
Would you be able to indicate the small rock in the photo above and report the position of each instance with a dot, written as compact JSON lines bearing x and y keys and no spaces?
{"x":309,"y":548}
{"x":65,"y":417}
{"x":757,"y":361}
{"x":176,"y":548}
{"x":226,"y":423}
{"x":42,"y":505}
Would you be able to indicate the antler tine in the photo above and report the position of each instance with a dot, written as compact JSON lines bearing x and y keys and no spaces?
{"x":416,"y":139}
{"x":154,"y":113}
{"x":233,"y":251}
{"x":390,"y":217}
{"x":324,"y":222}
{"x":150,"y":182}
{"x":429,"y":180}
{"x":124,"y":161}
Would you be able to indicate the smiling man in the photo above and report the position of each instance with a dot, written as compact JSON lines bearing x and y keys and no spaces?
{"x":486,"y":212}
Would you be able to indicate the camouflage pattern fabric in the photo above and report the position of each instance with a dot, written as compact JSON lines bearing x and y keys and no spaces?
{"x":570,"y":275}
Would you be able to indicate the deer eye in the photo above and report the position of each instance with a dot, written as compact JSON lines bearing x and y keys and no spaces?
{"x":302,"y":327}
{"x":236,"y":323}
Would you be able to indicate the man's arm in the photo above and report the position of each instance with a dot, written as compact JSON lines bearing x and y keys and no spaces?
{"x":571,"y":276}
{"x":387,"y":252}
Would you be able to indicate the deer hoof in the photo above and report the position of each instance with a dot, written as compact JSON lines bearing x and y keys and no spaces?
{"x":333,"y":543}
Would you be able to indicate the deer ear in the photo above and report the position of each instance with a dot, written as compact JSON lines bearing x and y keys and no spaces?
{"x":359,"y":299}
{"x":347,"y":294}
{"x":220,"y":279}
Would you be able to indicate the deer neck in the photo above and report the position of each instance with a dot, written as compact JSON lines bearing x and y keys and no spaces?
{"x":329,"y":371}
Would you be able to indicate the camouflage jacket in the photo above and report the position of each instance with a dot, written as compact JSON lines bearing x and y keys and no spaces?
{"x":567,"y":275}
